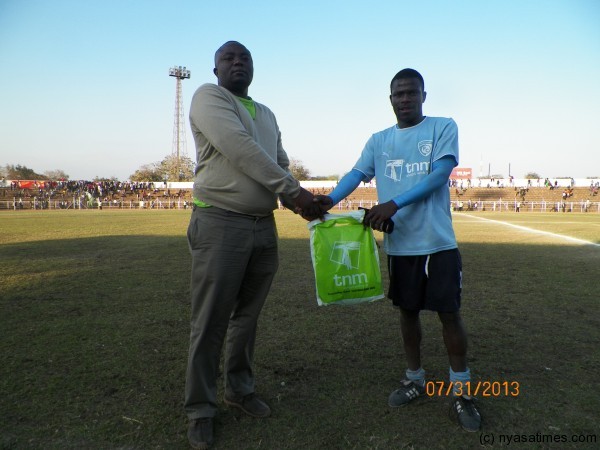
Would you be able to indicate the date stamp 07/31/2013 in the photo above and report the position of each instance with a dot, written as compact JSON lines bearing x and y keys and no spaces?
{"x":473,"y":388}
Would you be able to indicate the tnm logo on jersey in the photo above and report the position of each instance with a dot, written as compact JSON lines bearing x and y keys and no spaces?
{"x":395,"y":167}
{"x":425,"y":147}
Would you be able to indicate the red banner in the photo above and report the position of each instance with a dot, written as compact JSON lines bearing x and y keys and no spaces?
{"x":30,"y":184}
{"x":461,"y":173}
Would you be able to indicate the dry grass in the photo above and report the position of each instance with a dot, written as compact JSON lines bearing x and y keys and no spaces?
{"x":95,"y":325}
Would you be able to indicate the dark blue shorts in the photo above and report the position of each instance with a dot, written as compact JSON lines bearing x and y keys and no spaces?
{"x":432,"y":282}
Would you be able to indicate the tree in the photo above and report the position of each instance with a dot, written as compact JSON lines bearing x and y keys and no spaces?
{"x":98,"y":179}
{"x":19,"y":172}
{"x":532,"y":176}
{"x":56,"y":174}
{"x":325,"y":177}
{"x":148,"y":172}
{"x":169,"y":169}
{"x":177,"y":170}
{"x":298,"y":170}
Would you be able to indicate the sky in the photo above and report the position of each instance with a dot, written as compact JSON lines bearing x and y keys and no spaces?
{"x":85,"y":85}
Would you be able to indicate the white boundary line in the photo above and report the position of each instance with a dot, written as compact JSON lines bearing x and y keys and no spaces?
{"x":532,"y":230}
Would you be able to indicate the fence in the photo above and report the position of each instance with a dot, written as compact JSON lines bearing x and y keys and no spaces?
{"x":77,"y":203}
{"x":456,"y":205}
{"x":520,"y":206}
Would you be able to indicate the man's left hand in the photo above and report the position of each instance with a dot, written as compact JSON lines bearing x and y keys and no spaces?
{"x":379,"y":214}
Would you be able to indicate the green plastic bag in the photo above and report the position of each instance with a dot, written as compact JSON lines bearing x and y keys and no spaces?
{"x":345,"y":260}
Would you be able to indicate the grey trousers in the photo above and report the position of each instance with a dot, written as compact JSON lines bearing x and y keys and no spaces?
{"x":234,"y":260}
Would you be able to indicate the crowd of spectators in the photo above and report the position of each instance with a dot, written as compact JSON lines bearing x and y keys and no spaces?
{"x":62,"y":194}
{"x":95,"y":188}
{"x":567,"y":193}
{"x":521,"y":192}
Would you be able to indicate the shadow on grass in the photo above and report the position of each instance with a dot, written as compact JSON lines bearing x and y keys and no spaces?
{"x":95,"y":344}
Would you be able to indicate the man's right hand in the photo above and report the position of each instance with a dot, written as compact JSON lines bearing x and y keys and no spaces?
{"x":325,"y":202}
{"x":305,"y":204}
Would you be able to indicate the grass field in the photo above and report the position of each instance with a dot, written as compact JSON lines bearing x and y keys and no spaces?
{"x":94,"y":314}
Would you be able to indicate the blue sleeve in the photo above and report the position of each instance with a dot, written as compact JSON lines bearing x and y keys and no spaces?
{"x":440,"y":173}
{"x":346,"y":186}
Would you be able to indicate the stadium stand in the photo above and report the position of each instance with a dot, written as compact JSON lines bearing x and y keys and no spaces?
{"x":127,"y":195}
{"x":90,"y":195}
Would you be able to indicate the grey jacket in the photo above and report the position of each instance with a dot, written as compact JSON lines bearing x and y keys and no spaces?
{"x":241,"y":164}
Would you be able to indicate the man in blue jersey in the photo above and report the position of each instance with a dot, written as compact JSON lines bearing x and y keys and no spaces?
{"x":412,"y":162}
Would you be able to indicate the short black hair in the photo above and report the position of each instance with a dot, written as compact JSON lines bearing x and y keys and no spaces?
{"x":220,"y":49}
{"x":408,"y":73}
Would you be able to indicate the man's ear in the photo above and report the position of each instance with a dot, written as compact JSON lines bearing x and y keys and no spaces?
{"x":424,"y":95}
{"x":215,"y":71}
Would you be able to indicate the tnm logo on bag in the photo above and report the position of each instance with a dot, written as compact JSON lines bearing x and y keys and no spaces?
{"x":345,"y":260}
{"x":347,"y":253}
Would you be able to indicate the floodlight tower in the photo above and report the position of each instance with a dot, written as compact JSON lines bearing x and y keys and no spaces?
{"x":179,"y":144}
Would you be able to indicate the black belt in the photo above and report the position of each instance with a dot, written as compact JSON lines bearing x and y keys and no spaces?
{"x":248,"y":216}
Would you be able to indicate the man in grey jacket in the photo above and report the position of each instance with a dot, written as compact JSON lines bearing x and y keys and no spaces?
{"x":241,"y":169}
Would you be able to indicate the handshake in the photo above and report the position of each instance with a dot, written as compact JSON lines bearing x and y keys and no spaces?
{"x":312,"y":207}
{"x":309,"y":206}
